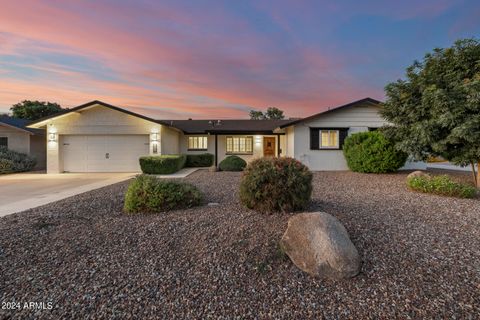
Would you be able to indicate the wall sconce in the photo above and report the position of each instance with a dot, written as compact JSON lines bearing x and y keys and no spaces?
{"x":154,"y":140}
{"x":154,"y":136}
{"x":258,"y":140}
{"x":52,"y":137}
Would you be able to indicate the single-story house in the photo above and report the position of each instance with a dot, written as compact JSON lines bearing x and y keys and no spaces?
{"x":15,"y":135}
{"x":98,"y":137}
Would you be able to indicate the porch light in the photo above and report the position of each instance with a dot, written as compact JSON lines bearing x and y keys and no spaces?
{"x":258,"y":139}
{"x":52,"y":137}
{"x":154,"y":136}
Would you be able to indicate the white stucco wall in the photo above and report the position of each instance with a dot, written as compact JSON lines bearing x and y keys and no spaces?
{"x":222,"y":146}
{"x":99,"y":120}
{"x":170,"y":141}
{"x":357,"y":119}
{"x":17,"y":140}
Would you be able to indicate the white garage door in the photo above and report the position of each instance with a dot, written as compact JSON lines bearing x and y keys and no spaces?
{"x":102,"y":153}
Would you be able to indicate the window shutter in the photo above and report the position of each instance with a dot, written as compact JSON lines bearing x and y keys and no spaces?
{"x":343,"y":136}
{"x":314,"y":139}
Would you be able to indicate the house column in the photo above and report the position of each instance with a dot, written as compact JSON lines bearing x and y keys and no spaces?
{"x":279,"y":149}
{"x":53,"y":150}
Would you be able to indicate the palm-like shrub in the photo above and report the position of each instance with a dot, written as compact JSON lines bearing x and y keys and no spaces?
{"x":372,"y":152}
{"x":149,"y":194}
{"x":232,"y":163}
{"x":276,"y":185}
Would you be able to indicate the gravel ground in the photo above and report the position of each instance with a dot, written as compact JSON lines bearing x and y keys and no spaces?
{"x":90,"y":261}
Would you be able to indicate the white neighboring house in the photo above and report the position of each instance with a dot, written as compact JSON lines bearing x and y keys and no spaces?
{"x":98,"y":137}
{"x":17,"y":137}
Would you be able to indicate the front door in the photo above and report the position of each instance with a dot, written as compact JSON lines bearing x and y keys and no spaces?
{"x":269,"y":146}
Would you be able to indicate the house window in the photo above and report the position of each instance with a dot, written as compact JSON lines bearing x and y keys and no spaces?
{"x":4,"y":142}
{"x":239,"y":145}
{"x":198,"y":143}
{"x":329,"y":139}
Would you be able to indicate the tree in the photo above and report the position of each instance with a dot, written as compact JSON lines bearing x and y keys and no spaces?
{"x":33,"y":110}
{"x":256,"y":115}
{"x":436,"y":110}
{"x":272,"y":113}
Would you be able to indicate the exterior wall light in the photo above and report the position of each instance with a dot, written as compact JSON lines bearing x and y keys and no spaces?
{"x":258,"y":140}
{"x":154,"y":140}
{"x":154,"y":136}
{"x":52,"y":137}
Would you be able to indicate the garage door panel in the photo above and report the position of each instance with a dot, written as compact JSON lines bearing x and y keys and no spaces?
{"x":103,"y":153}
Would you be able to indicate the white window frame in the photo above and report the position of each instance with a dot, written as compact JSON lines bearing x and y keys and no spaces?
{"x":337,"y":143}
{"x":244,"y":144}
{"x":197,"y":141}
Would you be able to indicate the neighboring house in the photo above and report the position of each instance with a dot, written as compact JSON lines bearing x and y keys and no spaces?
{"x":98,"y":137}
{"x":15,"y":135}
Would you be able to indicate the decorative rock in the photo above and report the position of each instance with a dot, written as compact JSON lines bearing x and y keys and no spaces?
{"x":415,"y":174}
{"x":213,"y":204}
{"x":319,"y":244}
{"x":213,"y":169}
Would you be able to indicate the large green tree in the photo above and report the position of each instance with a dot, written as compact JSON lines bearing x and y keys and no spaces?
{"x":435,"y":111}
{"x":33,"y":110}
{"x":272,"y":113}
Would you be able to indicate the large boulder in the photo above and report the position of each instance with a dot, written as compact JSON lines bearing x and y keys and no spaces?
{"x":318,"y":244}
{"x":418,"y":173}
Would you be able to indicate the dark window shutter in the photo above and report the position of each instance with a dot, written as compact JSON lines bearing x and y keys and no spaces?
{"x":314,"y":139}
{"x":343,"y":136}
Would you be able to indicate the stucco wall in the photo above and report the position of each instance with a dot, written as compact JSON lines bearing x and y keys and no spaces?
{"x":38,"y":149}
{"x":17,"y":140}
{"x":357,"y":119}
{"x":222,"y":146}
{"x":170,"y":141}
{"x":99,"y":120}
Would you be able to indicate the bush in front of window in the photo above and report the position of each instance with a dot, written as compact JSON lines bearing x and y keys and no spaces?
{"x":164,"y":164}
{"x":199,"y":160}
{"x":12,"y":161}
{"x":276,"y":185}
{"x":232,"y":163}
{"x":372,"y":152}
{"x":147,"y":194}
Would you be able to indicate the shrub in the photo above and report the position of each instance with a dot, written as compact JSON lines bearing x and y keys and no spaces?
{"x":164,"y":164}
{"x":149,"y":194}
{"x":441,"y":185}
{"x":276,"y":184}
{"x":372,"y":152}
{"x":12,"y":161}
{"x":199,"y":160}
{"x":232,"y":163}
{"x":6,"y":166}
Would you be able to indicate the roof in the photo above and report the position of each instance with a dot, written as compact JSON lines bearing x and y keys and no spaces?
{"x":88,"y":105}
{"x":20,"y":124}
{"x":329,"y":110}
{"x":227,"y":126}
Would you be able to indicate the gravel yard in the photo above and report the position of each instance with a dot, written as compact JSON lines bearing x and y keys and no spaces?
{"x":420,"y":256}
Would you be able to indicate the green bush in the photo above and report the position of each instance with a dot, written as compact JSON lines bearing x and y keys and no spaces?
{"x":276,"y":184}
{"x":232,"y":163}
{"x":199,"y":160}
{"x":12,"y":161}
{"x":372,"y":152}
{"x":441,"y":185}
{"x":149,"y":194}
{"x":164,"y":164}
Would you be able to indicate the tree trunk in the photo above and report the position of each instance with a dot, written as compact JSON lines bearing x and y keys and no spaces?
{"x":477,"y":180}
{"x":476,"y":175}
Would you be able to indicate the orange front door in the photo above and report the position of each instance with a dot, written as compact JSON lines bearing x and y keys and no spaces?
{"x":269,"y":146}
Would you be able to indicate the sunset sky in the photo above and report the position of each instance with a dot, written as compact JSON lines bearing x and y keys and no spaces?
{"x":218,"y":59}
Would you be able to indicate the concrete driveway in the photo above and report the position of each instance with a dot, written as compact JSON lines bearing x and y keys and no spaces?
{"x":19,"y":192}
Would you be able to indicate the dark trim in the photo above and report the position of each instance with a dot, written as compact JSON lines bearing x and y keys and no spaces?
{"x":238,"y":153}
{"x":197,"y":149}
{"x":240,"y":132}
{"x":216,"y":151}
{"x":361,"y":101}
{"x":279,"y":150}
{"x":103,"y":104}
{"x":4,"y":141}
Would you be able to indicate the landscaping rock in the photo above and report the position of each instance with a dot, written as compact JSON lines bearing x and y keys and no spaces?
{"x":417,"y":173}
{"x":318,"y":244}
{"x":213,"y":169}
